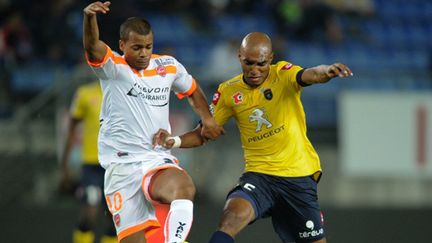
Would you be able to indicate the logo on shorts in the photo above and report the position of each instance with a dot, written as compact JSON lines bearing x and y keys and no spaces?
{"x":116,"y":218}
{"x":180,"y":230}
{"x":311,"y":232}
{"x":249,"y":186}
{"x":121,"y":154}
{"x":260,"y":118}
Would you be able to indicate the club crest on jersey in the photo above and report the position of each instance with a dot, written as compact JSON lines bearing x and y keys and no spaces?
{"x":287,"y":66}
{"x":216,"y":97}
{"x":238,"y":98}
{"x":268,"y":94}
{"x":161,"y":71}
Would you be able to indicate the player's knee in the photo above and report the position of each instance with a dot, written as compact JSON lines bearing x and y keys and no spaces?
{"x":185,"y":190}
{"x":181,"y":189}
{"x":236,"y":216}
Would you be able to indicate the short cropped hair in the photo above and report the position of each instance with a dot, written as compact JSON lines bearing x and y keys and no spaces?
{"x":135,"y":24}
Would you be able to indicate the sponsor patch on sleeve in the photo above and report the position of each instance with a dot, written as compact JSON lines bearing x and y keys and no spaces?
{"x":287,"y":66}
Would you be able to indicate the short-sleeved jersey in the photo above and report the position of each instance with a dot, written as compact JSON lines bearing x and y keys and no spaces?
{"x":136,"y":104}
{"x":86,"y":106}
{"x":271,"y":121}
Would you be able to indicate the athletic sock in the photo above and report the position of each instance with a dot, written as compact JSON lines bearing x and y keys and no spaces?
{"x":179,"y":221}
{"x":83,"y":236}
{"x":221,"y":237}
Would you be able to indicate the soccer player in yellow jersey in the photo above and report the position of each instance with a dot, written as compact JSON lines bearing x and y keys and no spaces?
{"x":282,"y":168}
{"x":85,"y":109}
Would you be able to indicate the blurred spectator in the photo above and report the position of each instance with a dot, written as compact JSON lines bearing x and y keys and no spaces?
{"x":353,"y":7}
{"x":223,"y":61}
{"x":5,"y":99}
{"x":280,"y":48}
{"x":15,"y":41}
{"x":307,"y":20}
{"x":430,"y":65}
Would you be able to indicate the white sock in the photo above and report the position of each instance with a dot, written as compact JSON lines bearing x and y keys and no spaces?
{"x":179,"y":221}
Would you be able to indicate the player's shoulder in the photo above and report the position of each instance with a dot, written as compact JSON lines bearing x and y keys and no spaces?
{"x":231,"y":83}
{"x":88,"y":89}
{"x":284,"y":69}
{"x":283,"y":66}
{"x":164,"y":60}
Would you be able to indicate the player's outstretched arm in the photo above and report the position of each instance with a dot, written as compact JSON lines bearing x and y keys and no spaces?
{"x":323,"y":73}
{"x":210,"y":129}
{"x":95,"y":48}
{"x":188,"y":140}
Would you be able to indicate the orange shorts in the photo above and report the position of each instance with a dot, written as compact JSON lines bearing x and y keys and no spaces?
{"x":161,"y":214}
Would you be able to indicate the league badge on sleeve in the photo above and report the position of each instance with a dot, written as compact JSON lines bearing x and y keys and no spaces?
{"x":216,"y":97}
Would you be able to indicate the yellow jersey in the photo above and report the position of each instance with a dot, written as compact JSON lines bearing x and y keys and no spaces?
{"x":86,"y":107}
{"x":271,"y":121}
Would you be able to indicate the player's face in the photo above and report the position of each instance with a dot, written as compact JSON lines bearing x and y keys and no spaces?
{"x":137,"y":50}
{"x":255,"y":65}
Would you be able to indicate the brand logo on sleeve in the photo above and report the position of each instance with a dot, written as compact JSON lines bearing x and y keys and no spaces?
{"x":287,"y":66}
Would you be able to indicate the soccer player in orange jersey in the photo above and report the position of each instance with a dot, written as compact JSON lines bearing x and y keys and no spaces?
{"x":136,"y":88}
{"x":282,"y":168}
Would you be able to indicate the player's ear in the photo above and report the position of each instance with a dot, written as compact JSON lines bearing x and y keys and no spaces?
{"x":121,"y":45}
{"x":271,"y":58}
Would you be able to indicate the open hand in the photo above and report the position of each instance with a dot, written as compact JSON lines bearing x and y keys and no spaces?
{"x":97,"y":7}
{"x":338,"y":70}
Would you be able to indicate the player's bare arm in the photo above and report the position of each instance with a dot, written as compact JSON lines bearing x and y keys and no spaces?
{"x":323,"y":73}
{"x":95,"y":48}
{"x":188,"y":140}
{"x":66,"y":176}
{"x":210,"y":129}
